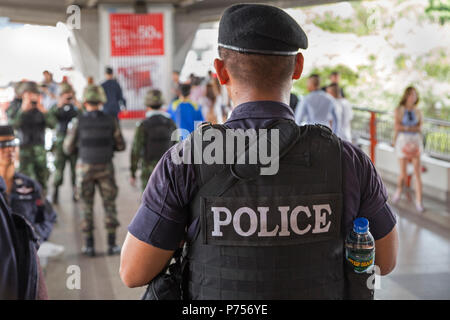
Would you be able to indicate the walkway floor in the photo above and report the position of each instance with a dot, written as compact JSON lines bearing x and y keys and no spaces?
{"x":422,"y":272}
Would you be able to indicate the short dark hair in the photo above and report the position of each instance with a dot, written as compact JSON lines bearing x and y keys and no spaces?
{"x":315,"y":78}
{"x":185,"y":89}
{"x":258,"y":70}
{"x":334,"y":73}
{"x":109,"y":70}
{"x":155,"y":107}
{"x":334,"y":87}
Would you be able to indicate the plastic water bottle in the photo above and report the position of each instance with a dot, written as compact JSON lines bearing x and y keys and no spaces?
{"x":360,"y":246}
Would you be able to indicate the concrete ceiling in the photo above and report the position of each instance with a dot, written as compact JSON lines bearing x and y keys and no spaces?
{"x":49,"y":12}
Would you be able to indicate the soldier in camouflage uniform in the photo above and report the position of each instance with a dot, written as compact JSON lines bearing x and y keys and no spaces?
{"x":16,"y":103}
{"x":152,"y":138}
{"x":62,"y":113}
{"x":30,"y":122}
{"x":96,"y":135}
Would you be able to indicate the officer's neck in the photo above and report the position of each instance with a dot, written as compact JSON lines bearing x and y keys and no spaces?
{"x":7,"y":173}
{"x":241,"y":94}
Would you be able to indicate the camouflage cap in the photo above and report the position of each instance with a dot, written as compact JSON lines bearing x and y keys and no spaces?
{"x":30,"y":86}
{"x":93,"y":93}
{"x":153,"y":98}
{"x":18,"y":88}
{"x":65,"y":88}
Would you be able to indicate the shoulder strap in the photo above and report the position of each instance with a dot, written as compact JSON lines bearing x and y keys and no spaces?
{"x":225,"y":178}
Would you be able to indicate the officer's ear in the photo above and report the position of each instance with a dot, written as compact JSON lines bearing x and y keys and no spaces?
{"x":298,"y":69}
{"x":222,"y":72}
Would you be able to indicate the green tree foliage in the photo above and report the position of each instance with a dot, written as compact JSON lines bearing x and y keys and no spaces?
{"x":439,"y":10}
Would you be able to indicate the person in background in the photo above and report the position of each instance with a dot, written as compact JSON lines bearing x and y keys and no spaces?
{"x":198,"y":90}
{"x":114,"y":95}
{"x":175,"y":89}
{"x":16,"y":103}
{"x":49,"y":90}
{"x":344,"y":113}
{"x":317,"y":107}
{"x":334,"y":80}
{"x":90,"y":83}
{"x":152,"y":138}
{"x":408,"y":142}
{"x":23,"y":194}
{"x":208,"y":103}
{"x":219,"y":105}
{"x":30,"y":122}
{"x":184,"y":112}
{"x":62,"y":113}
{"x":95,"y":135}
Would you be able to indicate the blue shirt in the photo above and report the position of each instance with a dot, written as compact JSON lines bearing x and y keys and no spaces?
{"x":185,"y":113}
{"x":163,"y":215}
{"x":317,"y":107}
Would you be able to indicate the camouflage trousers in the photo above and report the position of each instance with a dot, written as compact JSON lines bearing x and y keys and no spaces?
{"x":102,"y":176}
{"x":60,"y":164}
{"x":146,"y":171}
{"x":33,"y":163}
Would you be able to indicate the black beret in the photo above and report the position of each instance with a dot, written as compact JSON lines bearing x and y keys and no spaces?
{"x":6,"y":130}
{"x":261,"y":29}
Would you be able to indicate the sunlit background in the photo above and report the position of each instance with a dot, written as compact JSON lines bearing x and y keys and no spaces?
{"x":380,"y":47}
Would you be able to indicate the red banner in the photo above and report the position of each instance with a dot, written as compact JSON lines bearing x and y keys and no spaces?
{"x":137,"y":34}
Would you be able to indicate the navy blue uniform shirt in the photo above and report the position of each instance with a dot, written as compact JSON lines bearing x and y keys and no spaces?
{"x":9,"y":278}
{"x":26,"y":199}
{"x":162,"y":217}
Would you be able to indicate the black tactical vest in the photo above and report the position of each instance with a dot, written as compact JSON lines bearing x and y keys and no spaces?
{"x":32,"y":129}
{"x":95,"y":137}
{"x":64,"y":115}
{"x":277,"y":236}
{"x":158,"y":130}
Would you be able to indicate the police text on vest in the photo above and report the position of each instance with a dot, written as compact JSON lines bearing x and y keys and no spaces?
{"x":288,"y":220}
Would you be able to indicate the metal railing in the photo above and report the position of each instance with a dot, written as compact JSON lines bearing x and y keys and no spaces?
{"x":378,"y":126}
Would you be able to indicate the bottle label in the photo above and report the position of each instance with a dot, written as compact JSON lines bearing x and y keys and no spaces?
{"x":361,"y":264}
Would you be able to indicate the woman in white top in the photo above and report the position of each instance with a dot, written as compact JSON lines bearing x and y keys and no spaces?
{"x":408,"y":142}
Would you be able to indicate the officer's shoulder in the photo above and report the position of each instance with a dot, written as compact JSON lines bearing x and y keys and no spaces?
{"x":21,"y":179}
{"x":18,"y":177}
{"x":355,"y":158}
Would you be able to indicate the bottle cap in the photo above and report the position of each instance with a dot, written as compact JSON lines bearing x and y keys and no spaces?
{"x":361,"y":225}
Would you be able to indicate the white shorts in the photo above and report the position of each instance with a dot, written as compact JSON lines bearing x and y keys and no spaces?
{"x":408,"y":145}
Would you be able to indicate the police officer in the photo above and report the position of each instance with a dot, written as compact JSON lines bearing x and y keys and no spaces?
{"x":21,"y":276}
{"x":271,"y":236}
{"x":152,"y":137}
{"x":30,"y":122}
{"x":96,"y":135}
{"x":62,"y":113}
{"x":23,"y":194}
{"x":20,"y":228}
